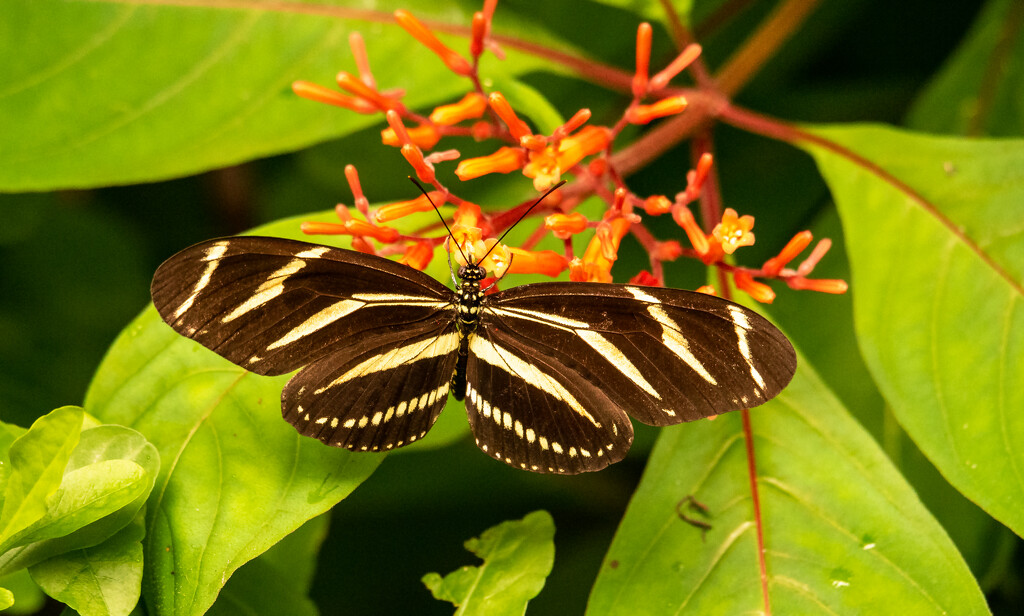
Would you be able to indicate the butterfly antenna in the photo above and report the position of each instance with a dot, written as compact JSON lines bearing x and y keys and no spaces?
{"x":520,"y":219}
{"x":443,"y":222}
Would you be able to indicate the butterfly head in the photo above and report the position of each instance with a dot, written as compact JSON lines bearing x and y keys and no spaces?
{"x":471,"y":273}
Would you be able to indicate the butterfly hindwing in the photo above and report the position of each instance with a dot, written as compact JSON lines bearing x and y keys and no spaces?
{"x":375,"y":396}
{"x":273,"y":305}
{"x":665,"y":355}
{"x":531,"y":411}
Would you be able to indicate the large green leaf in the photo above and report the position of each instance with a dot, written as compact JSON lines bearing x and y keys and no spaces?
{"x":37,"y":460}
{"x":937,"y":254}
{"x":980,"y":89}
{"x":517,"y":556}
{"x":118,"y":92}
{"x":843,"y":532}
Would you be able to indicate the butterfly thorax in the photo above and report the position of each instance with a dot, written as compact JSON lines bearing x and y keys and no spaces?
{"x":470,"y":297}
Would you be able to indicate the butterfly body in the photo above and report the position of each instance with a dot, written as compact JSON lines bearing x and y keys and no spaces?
{"x":550,"y":372}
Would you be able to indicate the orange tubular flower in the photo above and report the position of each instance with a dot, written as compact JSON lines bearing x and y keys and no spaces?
{"x":655,"y":205}
{"x":603,"y":249}
{"x":642,"y":114}
{"x":476,"y":45}
{"x":456,"y":63}
{"x":707,"y":289}
{"x":695,"y":179}
{"x":577,"y":120}
{"x":590,"y":140}
{"x":505,"y":160}
{"x":645,"y":279}
{"x":358,"y":228}
{"x":684,"y":218}
{"x":468,"y":215}
{"x":564,"y":226}
{"x":667,"y":251}
{"x":533,"y":142}
{"x":733,"y":231}
{"x":418,"y":255}
{"x":321,"y":94}
{"x":773,"y":266}
{"x":472,"y":106}
{"x":414,"y":156}
{"x":684,"y":59}
{"x":643,"y":60}
{"x":823,"y":285}
{"x":543,"y":168}
{"x":353,"y":84}
{"x":425,"y":136}
{"x":517,"y":127}
{"x":399,"y":209}
{"x":757,"y":290}
{"x":546,"y":262}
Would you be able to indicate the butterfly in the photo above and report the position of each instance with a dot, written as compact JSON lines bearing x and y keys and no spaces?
{"x":550,"y":372}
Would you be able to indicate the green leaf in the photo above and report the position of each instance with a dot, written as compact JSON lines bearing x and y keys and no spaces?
{"x":938,"y":263}
{"x":6,"y":598}
{"x":37,"y":462}
{"x":213,"y":87}
{"x":28,"y":597}
{"x":518,"y":556}
{"x":978,"y":91}
{"x":236,"y":478}
{"x":844,"y":533}
{"x":108,"y":478}
{"x":8,"y":434}
{"x":103,"y":580}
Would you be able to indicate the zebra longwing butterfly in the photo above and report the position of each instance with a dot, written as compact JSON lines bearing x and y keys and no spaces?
{"x":550,"y":372}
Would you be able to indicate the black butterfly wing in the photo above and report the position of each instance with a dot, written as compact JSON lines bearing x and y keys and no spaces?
{"x":375,"y":339}
{"x":273,"y":305}
{"x":531,"y":410}
{"x":663,"y":355}
{"x":375,"y":394}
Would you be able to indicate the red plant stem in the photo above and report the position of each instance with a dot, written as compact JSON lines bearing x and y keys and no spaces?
{"x":996,"y":69}
{"x":748,"y":435}
{"x":783,"y":21}
{"x":711,"y":214}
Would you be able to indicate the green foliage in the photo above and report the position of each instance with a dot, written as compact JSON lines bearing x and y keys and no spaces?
{"x":73,"y":502}
{"x":517,"y":556}
{"x":889,"y":475}
{"x":862,"y":544}
{"x":939,"y":218}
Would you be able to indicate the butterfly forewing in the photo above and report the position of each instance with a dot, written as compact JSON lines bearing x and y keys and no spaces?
{"x":273,"y":305}
{"x":665,"y":355}
{"x":528,"y":409}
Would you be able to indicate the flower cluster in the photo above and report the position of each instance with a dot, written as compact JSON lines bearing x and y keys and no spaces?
{"x":577,"y":148}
